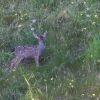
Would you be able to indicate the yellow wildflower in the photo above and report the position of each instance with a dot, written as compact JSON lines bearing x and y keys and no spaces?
{"x":93,"y":95}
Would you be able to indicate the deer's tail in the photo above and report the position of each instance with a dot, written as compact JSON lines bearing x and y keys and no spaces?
{"x":13,"y":50}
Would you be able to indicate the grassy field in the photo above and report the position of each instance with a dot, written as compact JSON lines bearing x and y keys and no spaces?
{"x":70,"y":67}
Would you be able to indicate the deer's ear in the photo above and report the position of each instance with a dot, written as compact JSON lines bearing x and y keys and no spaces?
{"x":45,"y":34}
{"x":36,"y":36}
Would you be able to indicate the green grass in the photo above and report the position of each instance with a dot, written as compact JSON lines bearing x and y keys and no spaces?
{"x":70,"y":68}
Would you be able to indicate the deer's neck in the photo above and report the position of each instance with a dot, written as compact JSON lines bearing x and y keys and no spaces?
{"x":41,"y":45}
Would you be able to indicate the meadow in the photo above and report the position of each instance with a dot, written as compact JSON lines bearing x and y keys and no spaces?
{"x":70,"y":67}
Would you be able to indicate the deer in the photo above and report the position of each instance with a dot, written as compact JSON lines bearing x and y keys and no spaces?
{"x":30,"y":51}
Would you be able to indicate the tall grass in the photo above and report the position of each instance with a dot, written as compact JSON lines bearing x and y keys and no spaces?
{"x":69,"y":69}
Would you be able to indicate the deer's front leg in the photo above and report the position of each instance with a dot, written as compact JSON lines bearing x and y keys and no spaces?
{"x":37,"y":60}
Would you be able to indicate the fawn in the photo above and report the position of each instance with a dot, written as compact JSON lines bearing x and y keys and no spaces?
{"x":29,"y":51}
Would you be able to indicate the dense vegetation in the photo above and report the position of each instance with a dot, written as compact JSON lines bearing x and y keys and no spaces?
{"x":70,"y":68}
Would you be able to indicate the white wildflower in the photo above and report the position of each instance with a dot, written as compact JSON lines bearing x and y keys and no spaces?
{"x":21,"y":18}
{"x":81,"y":14}
{"x":82,"y":94}
{"x":19,"y":25}
{"x":96,"y":16}
{"x":72,"y":2}
{"x":51,"y":78}
{"x":32,"y":29}
{"x":87,"y":8}
{"x":25,"y":14}
{"x":93,"y":23}
{"x":72,"y":80}
{"x":72,"y":86}
{"x":70,"y":83}
{"x":45,"y":80}
{"x":84,"y":2}
{"x":83,"y":29}
{"x":88,"y":16}
{"x":16,"y":14}
{"x":64,"y":11}
{"x":34,"y":21}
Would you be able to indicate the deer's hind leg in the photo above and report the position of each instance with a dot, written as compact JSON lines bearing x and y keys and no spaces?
{"x":15,"y":61}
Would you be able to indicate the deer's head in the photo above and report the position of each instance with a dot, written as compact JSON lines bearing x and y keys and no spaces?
{"x":40,"y":37}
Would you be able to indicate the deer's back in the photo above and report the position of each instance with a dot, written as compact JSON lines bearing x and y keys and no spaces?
{"x":26,"y":51}
{"x":29,"y":51}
